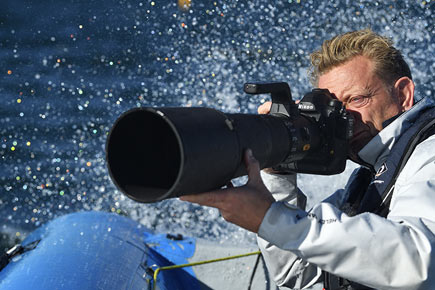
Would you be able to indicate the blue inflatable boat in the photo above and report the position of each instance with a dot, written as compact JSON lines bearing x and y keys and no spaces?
{"x":96,"y":250}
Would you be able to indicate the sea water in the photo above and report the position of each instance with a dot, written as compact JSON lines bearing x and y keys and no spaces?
{"x":68,"y":69}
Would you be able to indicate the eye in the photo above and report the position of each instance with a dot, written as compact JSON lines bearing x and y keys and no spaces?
{"x":358,"y":101}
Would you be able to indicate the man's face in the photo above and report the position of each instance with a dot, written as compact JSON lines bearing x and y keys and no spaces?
{"x":365,"y":96}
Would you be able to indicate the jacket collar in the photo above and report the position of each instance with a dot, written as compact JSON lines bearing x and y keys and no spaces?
{"x":377,"y":150}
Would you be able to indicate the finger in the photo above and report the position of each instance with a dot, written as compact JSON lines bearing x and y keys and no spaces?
{"x":264,"y":108}
{"x":212,"y":198}
{"x":252,"y":166}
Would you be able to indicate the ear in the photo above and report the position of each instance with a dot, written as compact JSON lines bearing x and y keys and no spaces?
{"x":404,"y":91}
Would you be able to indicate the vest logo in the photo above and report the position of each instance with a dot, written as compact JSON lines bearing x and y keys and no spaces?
{"x":381,"y":170}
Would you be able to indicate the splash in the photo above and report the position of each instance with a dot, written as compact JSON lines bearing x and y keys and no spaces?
{"x":66,"y":76}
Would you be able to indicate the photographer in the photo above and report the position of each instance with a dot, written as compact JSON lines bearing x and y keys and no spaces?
{"x":368,"y":244}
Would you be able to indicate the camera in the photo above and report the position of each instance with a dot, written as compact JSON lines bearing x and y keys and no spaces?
{"x":158,"y":153}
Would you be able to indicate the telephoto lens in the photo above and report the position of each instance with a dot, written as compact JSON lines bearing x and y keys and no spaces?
{"x":158,"y":153}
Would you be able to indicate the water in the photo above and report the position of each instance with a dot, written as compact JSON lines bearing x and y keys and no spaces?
{"x":70,"y":68}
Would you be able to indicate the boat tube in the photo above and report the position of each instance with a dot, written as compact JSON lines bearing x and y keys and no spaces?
{"x":97,"y":250}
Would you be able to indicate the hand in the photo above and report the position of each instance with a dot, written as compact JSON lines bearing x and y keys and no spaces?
{"x":244,"y":206}
{"x":264,"y":109}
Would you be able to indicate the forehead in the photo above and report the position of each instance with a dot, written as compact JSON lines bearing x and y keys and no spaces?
{"x":353,"y":77}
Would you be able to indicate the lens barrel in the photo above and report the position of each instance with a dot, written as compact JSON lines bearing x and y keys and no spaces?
{"x":158,"y":153}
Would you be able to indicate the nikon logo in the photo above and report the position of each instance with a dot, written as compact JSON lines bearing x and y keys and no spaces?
{"x":306,"y":107}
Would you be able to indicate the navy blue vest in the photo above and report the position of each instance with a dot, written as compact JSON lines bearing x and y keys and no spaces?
{"x":372,"y":192}
{"x":377,"y":196}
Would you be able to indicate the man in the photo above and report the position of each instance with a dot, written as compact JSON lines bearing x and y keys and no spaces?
{"x":354,"y":234}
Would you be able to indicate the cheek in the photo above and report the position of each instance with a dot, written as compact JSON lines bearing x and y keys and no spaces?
{"x":363,"y":116}
{"x":386,"y":108}
{"x":377,"y":121}
{"x":375,"y":115}
{"x":367,"y":121}
{"x":382,"y":116}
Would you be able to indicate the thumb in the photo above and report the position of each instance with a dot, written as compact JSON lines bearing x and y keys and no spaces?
{"x":264,"y":108}
{"x":252,"y":167}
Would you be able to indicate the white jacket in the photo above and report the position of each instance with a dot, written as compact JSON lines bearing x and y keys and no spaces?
{"x":391,"y":253}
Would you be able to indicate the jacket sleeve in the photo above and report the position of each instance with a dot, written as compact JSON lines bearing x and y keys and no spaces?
{"x":393,"y":253}
{"x":286,"y":268}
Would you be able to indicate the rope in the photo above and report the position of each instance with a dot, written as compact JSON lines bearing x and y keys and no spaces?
{"x":257,"y":261}
{"x":157,"y":271}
